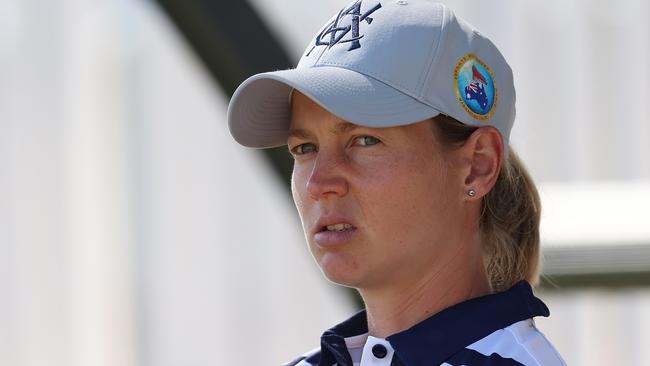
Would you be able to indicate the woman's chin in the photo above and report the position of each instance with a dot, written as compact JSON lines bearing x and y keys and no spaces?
{"x":340,"y":268}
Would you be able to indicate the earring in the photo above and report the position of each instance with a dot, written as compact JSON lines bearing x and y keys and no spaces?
{"x":471,"y":193}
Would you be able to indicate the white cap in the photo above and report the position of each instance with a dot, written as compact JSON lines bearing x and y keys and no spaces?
{"x":382,"y":64}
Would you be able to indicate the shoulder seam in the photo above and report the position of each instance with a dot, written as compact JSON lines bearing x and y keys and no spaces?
{"x":522,"y":346}
{"x":557,"y":354}
{"x":528,"y":351}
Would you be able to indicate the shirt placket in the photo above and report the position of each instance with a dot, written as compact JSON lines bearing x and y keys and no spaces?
{"x":377,"y":352}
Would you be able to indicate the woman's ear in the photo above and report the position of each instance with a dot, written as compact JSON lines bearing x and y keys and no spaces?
{"x":483,"y":152}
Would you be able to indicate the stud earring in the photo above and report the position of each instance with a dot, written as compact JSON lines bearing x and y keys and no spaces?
{"x":471,"y":193}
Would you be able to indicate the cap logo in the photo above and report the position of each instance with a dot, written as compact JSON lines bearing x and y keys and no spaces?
{"x":335,"y":32}
{"x":475,"y":87}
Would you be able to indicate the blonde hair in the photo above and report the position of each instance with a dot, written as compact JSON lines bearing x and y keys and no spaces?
{"x":510,"y":215}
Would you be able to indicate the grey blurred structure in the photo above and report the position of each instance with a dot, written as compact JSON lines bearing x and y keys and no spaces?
{"x":133,"y":231}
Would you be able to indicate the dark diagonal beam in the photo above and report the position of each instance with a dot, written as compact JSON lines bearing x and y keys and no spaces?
{"x":233,"y":42}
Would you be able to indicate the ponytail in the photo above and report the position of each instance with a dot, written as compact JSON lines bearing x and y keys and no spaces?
{"x":509,"y":227}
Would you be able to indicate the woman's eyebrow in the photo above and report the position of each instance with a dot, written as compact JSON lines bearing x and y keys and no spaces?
{"x":300,"y":133}
{"x":343,"y":127}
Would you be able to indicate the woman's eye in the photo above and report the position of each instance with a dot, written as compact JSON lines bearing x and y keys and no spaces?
{"x":304,"y":149}
{"x":367,"y":140}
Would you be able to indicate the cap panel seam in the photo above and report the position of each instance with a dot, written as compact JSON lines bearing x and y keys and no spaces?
{"x":322,"y":52}
{"x":436,"y":54}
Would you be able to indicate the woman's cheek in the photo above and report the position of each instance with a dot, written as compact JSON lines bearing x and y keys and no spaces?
{"x":299,"y":190}
{"x":373,"y":165}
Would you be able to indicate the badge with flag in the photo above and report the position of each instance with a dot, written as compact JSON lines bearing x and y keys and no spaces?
{"x":475,"y":87}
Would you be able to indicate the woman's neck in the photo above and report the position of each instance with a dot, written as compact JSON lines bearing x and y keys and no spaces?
{"x":392,"y":310}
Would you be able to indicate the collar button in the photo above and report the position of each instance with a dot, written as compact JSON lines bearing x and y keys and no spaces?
{"x":379,"y":351}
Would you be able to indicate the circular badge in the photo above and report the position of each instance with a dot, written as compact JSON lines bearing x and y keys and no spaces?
{"x":475,"y":87}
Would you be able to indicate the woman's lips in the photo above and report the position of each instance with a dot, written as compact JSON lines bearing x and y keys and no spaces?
{"x":329,"y":238}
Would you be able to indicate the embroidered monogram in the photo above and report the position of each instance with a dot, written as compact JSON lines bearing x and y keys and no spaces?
{"x":335,"y":32}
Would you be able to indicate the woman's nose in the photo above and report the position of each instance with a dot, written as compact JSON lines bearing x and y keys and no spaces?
{"x":327,"y":177}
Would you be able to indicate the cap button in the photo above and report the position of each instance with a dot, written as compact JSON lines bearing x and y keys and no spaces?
{"x":379,"y":351}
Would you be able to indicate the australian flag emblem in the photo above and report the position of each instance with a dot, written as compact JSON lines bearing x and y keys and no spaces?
{"x":476,"y":88}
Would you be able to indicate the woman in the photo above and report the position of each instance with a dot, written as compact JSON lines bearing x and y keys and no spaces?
{"x":398,"y":117}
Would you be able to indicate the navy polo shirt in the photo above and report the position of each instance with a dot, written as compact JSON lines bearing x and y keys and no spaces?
{"x":495,"y":329}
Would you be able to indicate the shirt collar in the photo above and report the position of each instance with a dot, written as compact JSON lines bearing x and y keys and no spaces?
{"x":435,"y":339}
{"x":333,"y":347}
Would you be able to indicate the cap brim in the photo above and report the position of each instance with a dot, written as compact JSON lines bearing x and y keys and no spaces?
{"x":259,"y":113}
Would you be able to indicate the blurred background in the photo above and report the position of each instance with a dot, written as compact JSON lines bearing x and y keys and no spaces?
{"x":135,"y":232}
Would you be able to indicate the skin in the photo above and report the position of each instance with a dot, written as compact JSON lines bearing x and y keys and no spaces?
{"x":416,"y":248}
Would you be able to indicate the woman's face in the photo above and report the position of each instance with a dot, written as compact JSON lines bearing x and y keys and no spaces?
{"x":379,"y":206}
